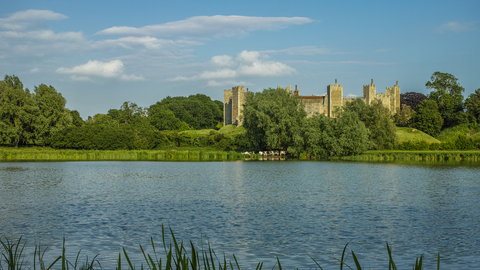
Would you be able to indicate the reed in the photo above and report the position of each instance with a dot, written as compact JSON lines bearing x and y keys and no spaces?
{"x":175,"y":256}
{"x":31,"y":154}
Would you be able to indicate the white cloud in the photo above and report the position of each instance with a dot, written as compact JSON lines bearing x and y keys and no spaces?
{"x":248,"y":56}
{"x":23,"y":19}
{"x":456,"y":27}
{"x":108,"y":69}
{"x":227,"y":83}
{"x":46,"y":35}
{"x":265,"y":69}
{"x":80,"y":78}
{"x":131,"y":77}
{"x":209,"y":26}
{"x":246,"y":64}
{"x":302,"y":50}
{"x":34,"y":70}
{"x":351,"y":96}
{"x":222,"y":60}
{"x":112,"y":69}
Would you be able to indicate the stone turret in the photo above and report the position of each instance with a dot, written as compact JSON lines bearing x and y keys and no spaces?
{"x":335,"y":97}
{"x":369,"y":92}
{"x":394,"y":94}
{"x":296,"y":92}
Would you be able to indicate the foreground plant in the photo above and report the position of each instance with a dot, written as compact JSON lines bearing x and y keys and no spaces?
{"x":175,"y":257}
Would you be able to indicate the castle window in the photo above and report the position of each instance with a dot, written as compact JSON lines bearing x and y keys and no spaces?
{"x":308,"y":109}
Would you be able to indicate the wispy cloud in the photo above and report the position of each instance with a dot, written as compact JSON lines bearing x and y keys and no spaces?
{"x":246,"y":64}
{"x":112,"y":69}
{"x":23,"y":19}
{"x":456,"y":27}
{"x":207,"y":26}
{"x":303,"y":50}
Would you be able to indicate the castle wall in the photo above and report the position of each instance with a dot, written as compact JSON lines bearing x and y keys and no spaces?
{"x":233,"y":100}
{"x":315,"y":104}
{"x":227,"y":107}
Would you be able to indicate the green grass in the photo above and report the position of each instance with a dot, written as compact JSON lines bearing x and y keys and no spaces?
{"x":408,"y":134}
{"x":176,"y":255}
{"x":227,"y":128}
{"x":451,"y":134}
{"x":198,"y":132}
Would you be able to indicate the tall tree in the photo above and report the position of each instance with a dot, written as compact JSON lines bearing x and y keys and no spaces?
{"x":428,"y":119}
{"x":447,"y":93}
{"x":53,"y":115}
{"x":18,"y":112}
{"x":472,"y":104}
{"x":272,"y":118}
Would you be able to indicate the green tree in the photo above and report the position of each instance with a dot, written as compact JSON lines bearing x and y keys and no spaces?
{"x":76,"y":119}
{"x":402,"y":118}
{"x":18,"y":112}
{"x":378,"y":121}
{"x":165,"y":120}
{"x":352,"y":134}
{"x":472,"y":104}
{"x":272,"y":118}
{"x":198,"y":111}
{"x":53,"y":116}
{"x":447,"y":93}
{"x":428,"y":119}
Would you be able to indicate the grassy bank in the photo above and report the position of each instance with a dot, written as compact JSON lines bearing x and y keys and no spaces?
{"x":39,"y":153}
{"x":175,"y":255}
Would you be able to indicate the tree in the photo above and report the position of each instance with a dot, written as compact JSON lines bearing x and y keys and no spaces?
{"x":447,"y":94}
{"x":18,"y":112}
{"x":402,"y":118}
{"x":165,"y":120}
{"x":53,"y":116}
{"x":198,"y":111}
{"x":327,"y":137}
{"x":412,"y":99}
{"x":76,"y":119}
{"x":472,"y":104}
{"x":378,"y":121}
{"x":428,"y":119}
{"x":272,"y":118}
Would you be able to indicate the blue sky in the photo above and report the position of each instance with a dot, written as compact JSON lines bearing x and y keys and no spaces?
{"x":101,"y":53}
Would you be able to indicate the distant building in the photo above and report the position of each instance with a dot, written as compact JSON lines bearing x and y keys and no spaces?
{"x":234,"y":99}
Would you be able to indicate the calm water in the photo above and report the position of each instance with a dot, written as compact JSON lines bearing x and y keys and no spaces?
{"x":255,"y":210}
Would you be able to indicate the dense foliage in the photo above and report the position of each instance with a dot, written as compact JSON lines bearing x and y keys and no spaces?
{"x":198,"y":111}
{"x":272,"y":118}
{"x":412,"y":99}
{"x":30,"y":118}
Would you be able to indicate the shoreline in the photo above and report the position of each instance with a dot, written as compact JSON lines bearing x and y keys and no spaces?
{"x":47,"y":154}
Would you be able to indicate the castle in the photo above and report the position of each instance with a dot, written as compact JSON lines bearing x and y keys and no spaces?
{"x":234,"y":99}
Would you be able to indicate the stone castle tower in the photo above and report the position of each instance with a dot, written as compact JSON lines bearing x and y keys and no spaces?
{"x":335,"y":97}
{"x":391,"y":98}
{"x":233,"y":101}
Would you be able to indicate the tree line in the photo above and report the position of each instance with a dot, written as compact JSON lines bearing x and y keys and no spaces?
{"x":273,"y":119}
{"x":41,"y":118}
{"x":444,"y":107}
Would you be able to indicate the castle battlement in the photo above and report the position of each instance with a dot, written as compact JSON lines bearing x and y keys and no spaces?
{"x":234,"y":99}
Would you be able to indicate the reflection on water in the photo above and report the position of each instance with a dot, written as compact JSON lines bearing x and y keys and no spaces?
{"x":255,"y":210}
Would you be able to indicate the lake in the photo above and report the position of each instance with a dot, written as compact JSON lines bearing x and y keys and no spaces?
{"x":257,"y":210}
